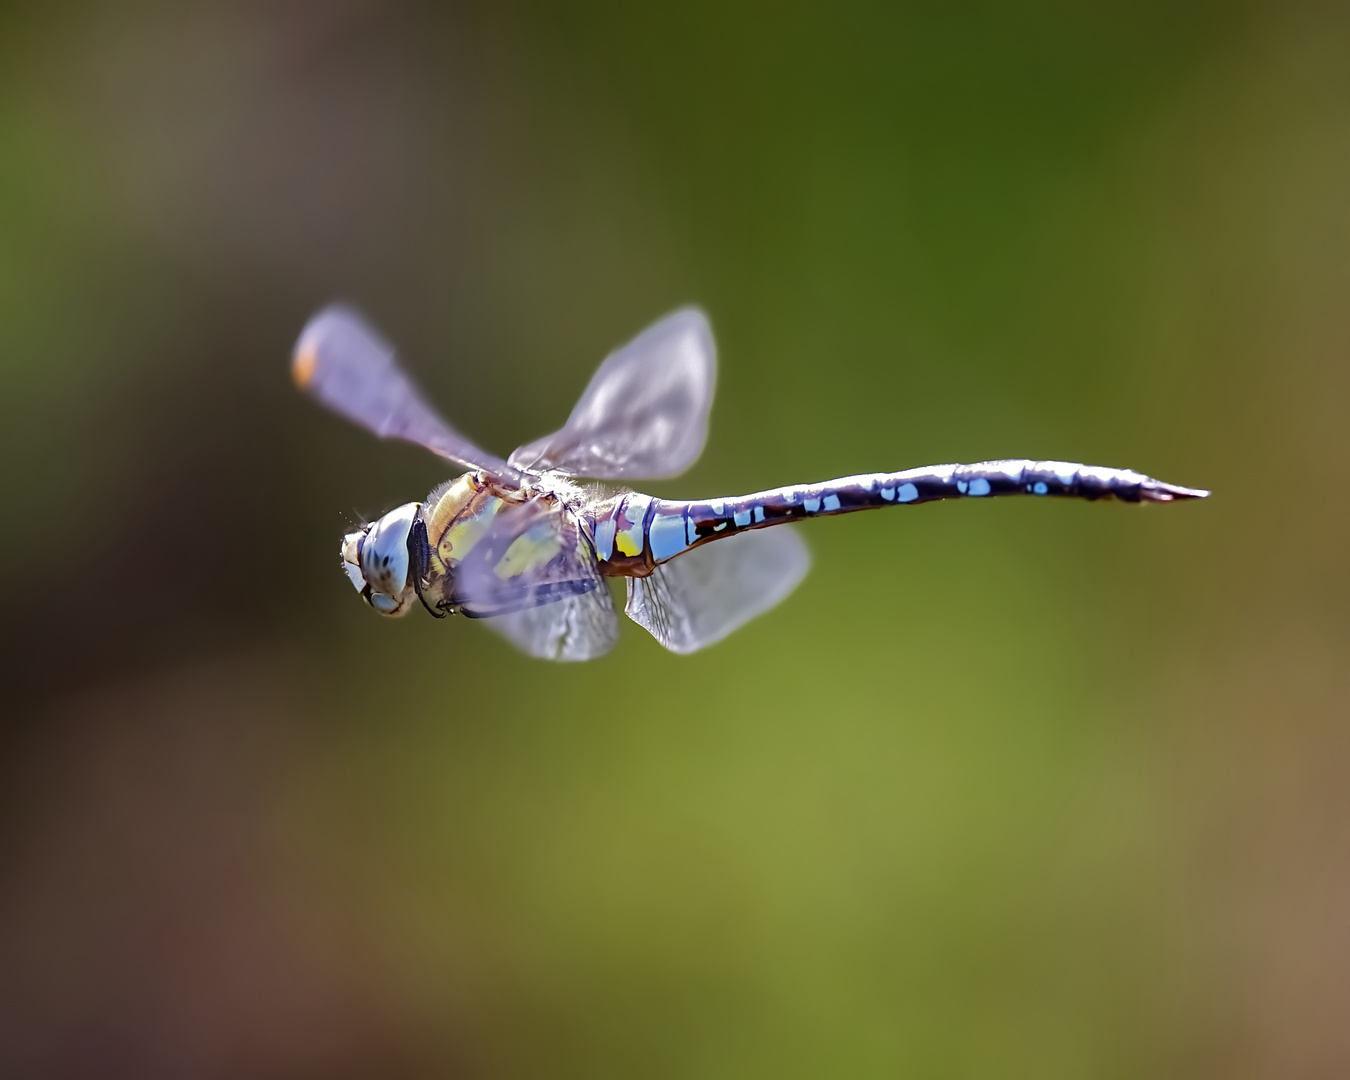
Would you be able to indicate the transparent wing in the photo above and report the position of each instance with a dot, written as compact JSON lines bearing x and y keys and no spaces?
{"x":533,"y":577}
{"x":341,"y":360}
{"x":644,"y":414}
{"x":699,"y":598}
{"x":580,"y":627}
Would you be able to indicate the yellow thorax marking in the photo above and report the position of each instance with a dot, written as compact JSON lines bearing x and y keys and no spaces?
{"x":458,"y":540}
{"x":453,"y":497}
{"x":458,"y":519}
{"x":530,"y":549}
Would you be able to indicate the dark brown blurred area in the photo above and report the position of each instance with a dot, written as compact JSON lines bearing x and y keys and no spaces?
{"x":1003,"y":789}
{"x":249,"y":159}
{"x":160,"y":920}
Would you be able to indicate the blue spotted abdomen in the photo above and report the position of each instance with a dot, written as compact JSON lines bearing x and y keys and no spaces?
{"x":638,"y":532}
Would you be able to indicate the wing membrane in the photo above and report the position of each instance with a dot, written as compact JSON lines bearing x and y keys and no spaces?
{"x":644,"y":414}
{"x":700,"y":597}
{"x":579,"y":627}
{"x":533,"y":577}
{"x":341,"y":360}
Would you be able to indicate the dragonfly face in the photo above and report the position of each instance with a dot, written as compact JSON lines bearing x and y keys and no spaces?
{"x":376,"y":560}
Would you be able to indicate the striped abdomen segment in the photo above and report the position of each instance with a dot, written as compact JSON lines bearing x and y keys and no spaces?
{"x":639,"y":532}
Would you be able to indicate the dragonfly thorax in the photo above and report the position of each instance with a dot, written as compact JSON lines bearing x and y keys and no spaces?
{"x":376,"y":560}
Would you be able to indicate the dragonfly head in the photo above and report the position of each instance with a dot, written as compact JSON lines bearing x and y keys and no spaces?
{"x":376,"y":560}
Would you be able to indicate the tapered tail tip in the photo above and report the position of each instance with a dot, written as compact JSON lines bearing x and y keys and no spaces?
{"x":1157,"y":491}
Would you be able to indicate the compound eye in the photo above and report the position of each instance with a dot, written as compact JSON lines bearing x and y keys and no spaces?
{"x":383,"y":553}
{"x":385,"y":605}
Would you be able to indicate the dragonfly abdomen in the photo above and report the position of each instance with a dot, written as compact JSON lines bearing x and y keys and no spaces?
{"x":638,"y":532}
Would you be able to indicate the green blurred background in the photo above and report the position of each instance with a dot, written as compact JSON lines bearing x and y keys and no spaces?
{"x":1013,"y":789}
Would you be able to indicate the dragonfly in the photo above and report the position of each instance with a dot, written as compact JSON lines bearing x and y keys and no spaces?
{"x":529,"y":548}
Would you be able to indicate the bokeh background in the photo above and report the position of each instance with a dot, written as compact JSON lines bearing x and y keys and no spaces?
{"x":1011,"y":789}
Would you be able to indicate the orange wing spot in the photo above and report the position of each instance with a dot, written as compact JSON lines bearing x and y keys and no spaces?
{"x":305,"y":361}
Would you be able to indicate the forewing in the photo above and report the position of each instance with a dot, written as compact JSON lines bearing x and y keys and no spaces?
{"x":533,"y":577}
{"x":700,"y":597}
{"x":644,"y":414}
{"x":580,"y":627}
{"x":341,"y":360}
